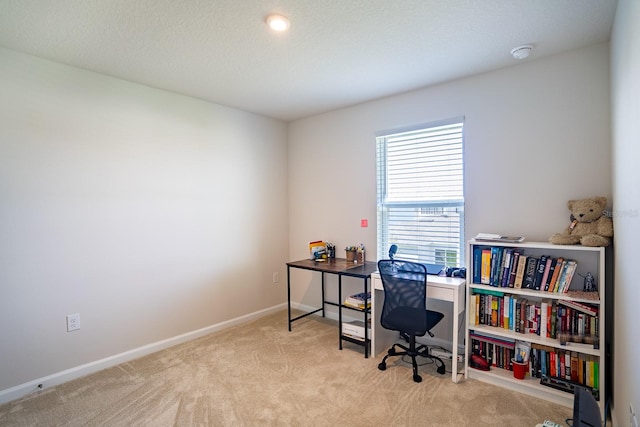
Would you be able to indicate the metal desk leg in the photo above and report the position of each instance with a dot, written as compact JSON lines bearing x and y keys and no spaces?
{"x":323,"y":300}
{"x":340,"y":310}
{"x":289,"y":295}
{"x":366,"y":335}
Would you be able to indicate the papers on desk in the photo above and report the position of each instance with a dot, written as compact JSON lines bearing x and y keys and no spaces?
{"x":487,"y":237}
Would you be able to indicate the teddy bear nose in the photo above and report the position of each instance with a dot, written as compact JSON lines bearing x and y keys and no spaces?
{"x":581,"y":215}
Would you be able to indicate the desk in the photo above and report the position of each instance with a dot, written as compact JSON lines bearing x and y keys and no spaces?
{"x":443,"y":288}
{"x":341,"y":267}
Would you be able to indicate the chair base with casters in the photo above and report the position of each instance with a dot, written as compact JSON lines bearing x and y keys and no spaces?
{"x":412,"y":351}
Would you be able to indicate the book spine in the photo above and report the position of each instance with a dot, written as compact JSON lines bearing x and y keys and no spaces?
{"x":530,"y":273}
{"x":506,"y":265}
{"x":551,"y":266}
{"x":556,"y":272}
{"x":513,"y":269}
{"x":540,"y":268}
{"x":486,"y":267}
{"x":522,"y":262}
{"x":570,"y":272}
{"x":477,"y":264}
{"x":496,"y":264}
{"x":543,"y":316}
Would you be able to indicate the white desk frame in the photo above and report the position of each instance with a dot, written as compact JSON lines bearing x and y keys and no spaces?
{"x":443,"y":288}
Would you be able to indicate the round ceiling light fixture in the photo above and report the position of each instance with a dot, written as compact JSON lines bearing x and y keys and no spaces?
{"x":521,"y":52}
{"x":278,"y":22}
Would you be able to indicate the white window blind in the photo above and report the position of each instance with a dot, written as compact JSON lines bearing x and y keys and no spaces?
{"x":421,"y":193}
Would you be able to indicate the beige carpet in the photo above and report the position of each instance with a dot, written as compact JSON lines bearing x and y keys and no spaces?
{"x":259,"y":374}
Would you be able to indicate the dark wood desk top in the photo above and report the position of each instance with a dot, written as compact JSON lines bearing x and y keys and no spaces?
{"x":337,"y":266}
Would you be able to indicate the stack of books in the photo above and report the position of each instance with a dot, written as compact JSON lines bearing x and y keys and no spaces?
{"x":360,"y":300}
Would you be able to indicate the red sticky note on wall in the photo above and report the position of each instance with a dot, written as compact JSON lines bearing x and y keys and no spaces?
{"x":364,"y":223}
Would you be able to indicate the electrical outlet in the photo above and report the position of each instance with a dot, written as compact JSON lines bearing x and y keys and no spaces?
{"x":73,"y":322}
{"x":275,"y":277}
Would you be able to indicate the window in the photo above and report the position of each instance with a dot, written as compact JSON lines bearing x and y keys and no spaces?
{"x":421,"y":193}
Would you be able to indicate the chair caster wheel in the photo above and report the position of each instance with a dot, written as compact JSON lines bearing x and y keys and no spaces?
{"x":417,"y":378}
{"x":382,"y":366}
{"x":441,"y":369}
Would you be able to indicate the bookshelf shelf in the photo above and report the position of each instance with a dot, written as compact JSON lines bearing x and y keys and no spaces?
{"x":536,"y":339}
{"x":530,"y":386}
{"x":505,"y":311}
{"x":571,"y":296}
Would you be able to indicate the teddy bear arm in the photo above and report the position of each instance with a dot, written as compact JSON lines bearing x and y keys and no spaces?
{"x":605,"y":227}
{"x":564,"y":239}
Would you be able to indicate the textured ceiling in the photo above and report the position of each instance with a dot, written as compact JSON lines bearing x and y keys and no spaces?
{"x":337,"y":52}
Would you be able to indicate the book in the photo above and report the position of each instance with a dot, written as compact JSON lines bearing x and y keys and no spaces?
{"x":317,"y":249}
{"x":571,"y":269}
{"x":477,"y":264}
{"x":544,"y":307}
{"x":473,"y":314}
{"x":522,"y":261}
{"x":515,"y":259}
{"x":486,"y":267}
{"x":488,"y":237}
{"x":540,"y":268}
{"x":360,"y":300}
{"x":556,"y":272}
{"x":587,"y":309}
{"x":496,"y":265}
{"x":530,"y":273}
{"x":546,"y":279}
{"x":506,"y":266}
{"x":564,"y":281}
{"x":505,"y":311}
{"x":563,"y":268}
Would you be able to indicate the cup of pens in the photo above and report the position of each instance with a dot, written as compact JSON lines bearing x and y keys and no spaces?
{"x":350,"y":254}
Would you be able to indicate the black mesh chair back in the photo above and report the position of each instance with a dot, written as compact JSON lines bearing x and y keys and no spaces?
{"x":405,"y":292}
{"x":404,"y":309}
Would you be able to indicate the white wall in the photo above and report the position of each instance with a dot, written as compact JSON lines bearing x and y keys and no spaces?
{"x":149,"y":213}
{"x":536,"y":135}
{"x":625,"y":91}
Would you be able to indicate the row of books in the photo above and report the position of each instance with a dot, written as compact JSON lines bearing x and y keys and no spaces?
{"x":567,"y":365}
{"x":360,"y":300}
{"x":543,"y":318}
{"x":543,"y":360}
{"x":504,"y":267}
{"x":498,"y":352}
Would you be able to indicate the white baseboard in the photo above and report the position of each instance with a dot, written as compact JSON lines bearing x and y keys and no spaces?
{"x":40,"y":384}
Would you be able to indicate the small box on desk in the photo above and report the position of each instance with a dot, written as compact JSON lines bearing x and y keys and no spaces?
{"x":355,"y":329}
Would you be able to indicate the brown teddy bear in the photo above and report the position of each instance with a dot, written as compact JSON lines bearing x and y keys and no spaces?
{"x":589,"y":225}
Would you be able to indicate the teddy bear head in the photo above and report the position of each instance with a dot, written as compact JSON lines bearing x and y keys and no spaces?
{"x":587,"y":210}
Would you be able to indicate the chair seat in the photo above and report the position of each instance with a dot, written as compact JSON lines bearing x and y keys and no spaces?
{"x":411,"y":320}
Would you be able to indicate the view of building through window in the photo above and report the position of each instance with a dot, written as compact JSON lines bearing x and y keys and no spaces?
{"x":421,"y":193}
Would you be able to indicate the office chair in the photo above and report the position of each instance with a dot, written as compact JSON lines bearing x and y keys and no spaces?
{"x":405,"y":310}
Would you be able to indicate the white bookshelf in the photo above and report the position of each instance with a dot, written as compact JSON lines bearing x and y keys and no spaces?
{"x":589,"y":259}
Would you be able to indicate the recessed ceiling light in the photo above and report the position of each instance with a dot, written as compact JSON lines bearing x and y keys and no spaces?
{"x":278,"y":22}
{"x":521,"y":52}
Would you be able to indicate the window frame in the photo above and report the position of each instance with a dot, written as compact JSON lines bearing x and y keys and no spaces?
{"x":425,"y":208}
